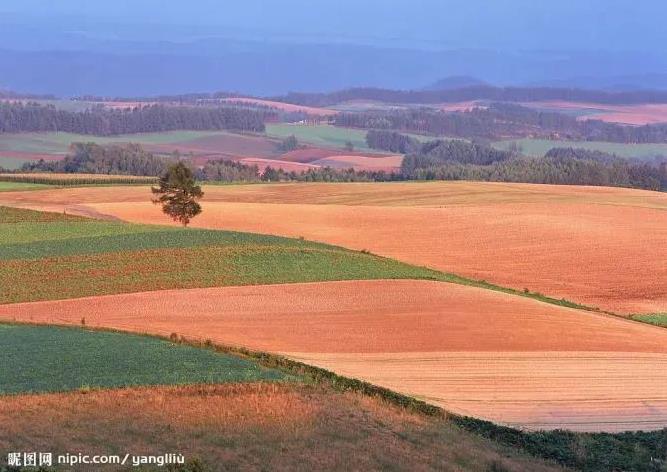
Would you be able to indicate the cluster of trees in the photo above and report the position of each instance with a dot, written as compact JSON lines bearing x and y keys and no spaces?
{"x":228,"y":171}
{"x":100,"y":121}
{"x":91,"y":158}
{"x":391,"y":141}
{"x":465,"y":161}
{"x":435,"y":153}
{"x":434,"y":160}
{"x":501,"y":120}
{"x":327,"y":174}
{"x":290,"y":143}
{"x":566,"y":171}
{"x":479,"y":92}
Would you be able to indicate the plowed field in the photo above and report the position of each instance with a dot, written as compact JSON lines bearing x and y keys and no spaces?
{"x":508,"y":359}
{"x":600,"y":246}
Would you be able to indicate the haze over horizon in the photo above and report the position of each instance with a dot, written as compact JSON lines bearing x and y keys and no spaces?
{"x":137,"y":47}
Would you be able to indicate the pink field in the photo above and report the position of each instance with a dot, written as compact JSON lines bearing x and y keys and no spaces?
{"x":288,"y":107}
{"x":641,"y":114}
{"x":504,"y":358}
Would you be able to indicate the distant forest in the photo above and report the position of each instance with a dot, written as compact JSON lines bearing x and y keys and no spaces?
{"x":484,"y":92}
{"x":434,"y":160}
{"x":457,"y":160}
{"x":100,"y":121}
{"x":501,"y":121}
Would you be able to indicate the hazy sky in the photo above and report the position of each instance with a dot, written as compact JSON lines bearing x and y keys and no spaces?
{"x":492,"y":24}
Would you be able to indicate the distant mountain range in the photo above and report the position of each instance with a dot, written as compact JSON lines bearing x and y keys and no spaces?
{"x":146,"y":68}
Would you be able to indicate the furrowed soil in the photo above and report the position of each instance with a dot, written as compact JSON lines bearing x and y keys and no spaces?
{"x":508,"y":359}
{"x":603,"y":247}
{"x":246,"y":427}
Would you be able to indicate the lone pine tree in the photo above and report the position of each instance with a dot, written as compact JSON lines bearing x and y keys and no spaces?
{"x":178,"y":193}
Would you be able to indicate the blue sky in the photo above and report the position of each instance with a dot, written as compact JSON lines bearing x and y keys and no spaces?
{"x":490,"y":24}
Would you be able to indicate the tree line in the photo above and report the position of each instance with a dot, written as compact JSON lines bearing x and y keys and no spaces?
{"x":565,"y":166}
{"x":101,"y":121}
{"x":478,"y":92}
{"x":499,"y":121}
{"x":91,"y":158}
{"x":434,"y":160}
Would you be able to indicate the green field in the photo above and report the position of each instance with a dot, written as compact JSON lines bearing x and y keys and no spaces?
{"x":539,"y":147}
{"x":53,"y":359}
{"x":320,"y":135}
{"x":59,"y":143}
{"x":65,"y":257}
{"x":10,"y":186}
{"x":658,"y":319}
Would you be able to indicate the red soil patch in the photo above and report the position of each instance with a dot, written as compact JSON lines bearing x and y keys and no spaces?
{"x":501,"y":357}
{"x":223,"y":145}
{"x":599,"y":246}
{"x":262,"y":164}
{"x":641,"y":114}
{"x":357,"y":162}
{"x":307,"y":155}
{"x":288,"y":107}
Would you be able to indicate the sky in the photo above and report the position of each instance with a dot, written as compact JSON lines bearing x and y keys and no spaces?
{"x":612,"y":25}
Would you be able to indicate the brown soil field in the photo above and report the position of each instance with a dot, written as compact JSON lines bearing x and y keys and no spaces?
{"x":599,"y":246}
{"x":246,"y":427}
{"x":641,"y":114}
{"x":309,"y":154}
{"x":223,"y":144}
{"x":357,"y":162}
{"x":262,"y":164}
{"x":288,"y":107}
{"x":508,"y":359}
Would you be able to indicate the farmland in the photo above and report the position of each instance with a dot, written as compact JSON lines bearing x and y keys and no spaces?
{"x":325,"y":142}
{"x":457,"y":345}
{"x":88,"y":257}
{"x":13,"y":186}
{"x":475,"y":352}
{"x":642,"y":114}
{"x":613,"y":236}
{"x":47,"y":359}
{"x":38,"y":180}
{"x":320,"y":135}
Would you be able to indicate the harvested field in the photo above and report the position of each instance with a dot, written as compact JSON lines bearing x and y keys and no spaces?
{"x":368,"y":163}
{"x":282,"y":106}
{"x":602,"y":241}
{"x":262,"y":164}
{"x":247,"y":426}
{"x":641,"y":114}
{"x":508,"y":359}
